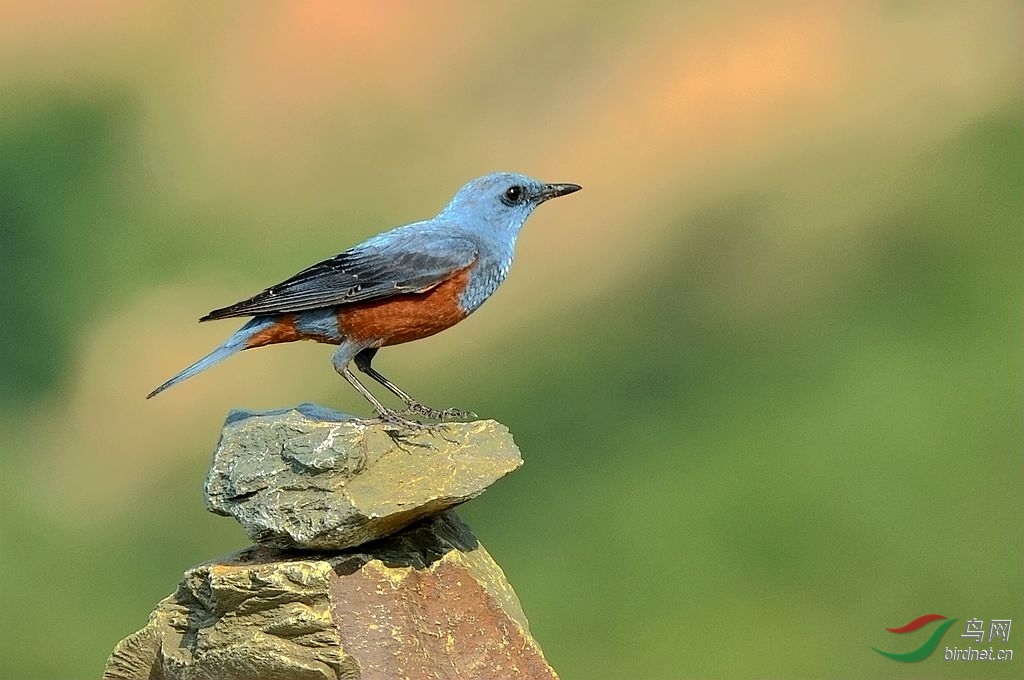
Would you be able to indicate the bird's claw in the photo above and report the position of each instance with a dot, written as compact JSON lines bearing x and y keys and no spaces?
{"x":397,"y":422}
{"x":418,"y":409}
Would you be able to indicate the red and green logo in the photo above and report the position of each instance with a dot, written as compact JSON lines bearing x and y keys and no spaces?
{"x":925,"y":650}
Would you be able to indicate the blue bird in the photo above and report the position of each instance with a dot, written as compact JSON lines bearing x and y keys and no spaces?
{"x":402,"y":285}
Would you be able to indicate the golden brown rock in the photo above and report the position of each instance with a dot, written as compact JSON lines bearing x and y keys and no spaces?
{"x":428,"y":602}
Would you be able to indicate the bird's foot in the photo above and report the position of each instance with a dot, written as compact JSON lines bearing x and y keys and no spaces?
{"x":396,"y":421}
{"x":417,"y":409}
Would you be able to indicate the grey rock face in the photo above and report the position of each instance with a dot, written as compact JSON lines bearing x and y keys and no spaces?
{"x":313,"y":478}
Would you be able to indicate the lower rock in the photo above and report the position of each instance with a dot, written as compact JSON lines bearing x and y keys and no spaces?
{"x":427,"y":602}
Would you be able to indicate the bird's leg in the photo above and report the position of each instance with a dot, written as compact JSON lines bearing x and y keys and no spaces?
{"x":386,"y":415}
{"x":362,"y":361}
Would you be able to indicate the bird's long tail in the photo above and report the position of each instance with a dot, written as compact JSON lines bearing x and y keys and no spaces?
{"x":236,"y":343}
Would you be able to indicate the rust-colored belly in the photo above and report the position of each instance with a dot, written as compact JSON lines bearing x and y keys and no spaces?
{"x":403,"y":318}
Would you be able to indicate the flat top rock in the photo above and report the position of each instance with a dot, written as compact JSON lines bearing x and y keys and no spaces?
{"x":309,"y":477}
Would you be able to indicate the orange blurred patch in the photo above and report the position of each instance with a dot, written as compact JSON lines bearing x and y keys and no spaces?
{"x":747,"y":99}
{"x":684,"y":94}
{"x":290,"y":71}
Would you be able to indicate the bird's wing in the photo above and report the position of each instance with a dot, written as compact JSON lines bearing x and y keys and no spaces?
{"x":405,"y":260}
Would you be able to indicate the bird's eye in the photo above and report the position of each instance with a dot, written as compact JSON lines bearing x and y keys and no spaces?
{"x":513,"y":195}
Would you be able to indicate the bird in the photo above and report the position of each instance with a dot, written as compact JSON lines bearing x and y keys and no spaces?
{"x":404,"y":284}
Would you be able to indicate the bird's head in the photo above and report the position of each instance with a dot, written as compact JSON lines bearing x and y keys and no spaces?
{"x":502,"y":201}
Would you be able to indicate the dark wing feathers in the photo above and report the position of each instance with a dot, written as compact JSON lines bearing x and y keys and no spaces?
{"x":406,"y":260}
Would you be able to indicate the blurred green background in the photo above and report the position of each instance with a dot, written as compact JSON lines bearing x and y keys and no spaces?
{"x":765,"y":369}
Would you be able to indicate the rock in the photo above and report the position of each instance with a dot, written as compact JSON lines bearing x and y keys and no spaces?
{"x":312,"y":478}
{"x":428,"y":602}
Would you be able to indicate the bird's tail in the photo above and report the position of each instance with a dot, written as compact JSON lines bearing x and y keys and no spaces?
{"x":236,"y":343}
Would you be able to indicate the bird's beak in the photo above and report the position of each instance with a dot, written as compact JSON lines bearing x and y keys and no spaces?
{"x":556,"y":190}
